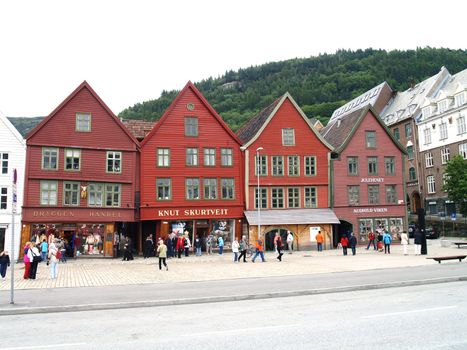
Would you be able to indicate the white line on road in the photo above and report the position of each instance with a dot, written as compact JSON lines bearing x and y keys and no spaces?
{"x":410,"y":311}
{"x":44,"y":346}
{"x":236,"y":331}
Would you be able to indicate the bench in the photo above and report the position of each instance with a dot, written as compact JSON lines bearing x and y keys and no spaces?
{"x":459,"y":244}
{"x":453,"y":257}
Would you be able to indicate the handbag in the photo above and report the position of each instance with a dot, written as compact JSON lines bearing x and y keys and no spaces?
{"x":35,"y":258}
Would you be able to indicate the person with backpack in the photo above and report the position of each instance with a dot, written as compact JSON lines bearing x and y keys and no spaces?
{"x":54,"y":256}
{"x":220,"y":242}
{"x":278,"y":245}
{"x":387,"y":242}
{"x":259,"y":250}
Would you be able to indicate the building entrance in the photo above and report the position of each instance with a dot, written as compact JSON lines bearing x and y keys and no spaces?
{"x":269,"y":241}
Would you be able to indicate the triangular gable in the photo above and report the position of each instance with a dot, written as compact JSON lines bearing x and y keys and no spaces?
{"x":175,"y":102}
{"x":274,"y":111}
{"x":83,"y":85}
{"x":4,"y":120}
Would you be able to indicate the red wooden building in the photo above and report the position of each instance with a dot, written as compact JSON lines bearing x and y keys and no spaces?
{"x":368,"y":181}
{"x":290,"y":159}
{"x":82,"y":180}
{"x":191,"y":172}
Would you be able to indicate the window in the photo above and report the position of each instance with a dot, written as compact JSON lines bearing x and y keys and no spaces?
{"x":3,"y":198}
{"x":373,"y":194}
{"x":288,"y":137}
{"x":353,"y":194}
{"x":226,"y":157}
{"x":83,"y":122}
{"x":410,"y":152}
{"x":72,"y":159}
{"x":426,"y":112}
{"x":446,"y":177}
{"x":427,"y":136}
{"x":277,"y":166}
{"x":228,"y":188}
{"x":191,"y":156}
{"x":277,"y":198}
{"x":390,"y":165}
{"x":461,"y":125}
{"x":352,"y":165}
{"x":396,"y":133}
{"x":412,"y":174}
{"x":293,"y":165}
{"x":4,"y":159}
{"x":310,"y":165}
{"x":294,"y":197}
{"x":463,"y":150}
{"x":311,"y":198}
{"x":443,"y":131}
{"x":48,"y":192}
{"x":95,"y":194}
{"x":428,"y":159}
{"x":261,"y":165}
{"x":164,"y":189}
{"x":460,"y":99}
{"x":210,"y":188}
{"x":191,"y":126}
{"x":391,"y":196}
{"x":445,"y":155}
{"x":112,"y":195}
{"x":372,"y":165}
{"x":192,"y":188}
{"x":430,"y":181}
{"x":163,"y":157}
{"x":209,"y":157}
{"x":408,"y":130}
{"x":71,"y":193}
{"x":370,"y":137}
{"x":263,"y":196}
{"x":442,"y":106}
{"x":114,"y":162}
{"x":49,"y":158}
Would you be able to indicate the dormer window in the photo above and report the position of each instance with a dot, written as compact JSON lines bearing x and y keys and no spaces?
{"x":426,"y":112}
{"x":460,"y":99}
{"x":442,"y":106}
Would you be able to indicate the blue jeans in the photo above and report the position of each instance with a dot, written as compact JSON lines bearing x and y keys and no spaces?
{"x":260,"y":253}
{"x":53,"y":270}
{"x":198,"y":251}
{"x":44,"y":256}
{"x":354,"y":250}
{"x":235,"y":256}
{"x":320,"y":247}
{"x":221,"y":249}
{"x":369,"y":243}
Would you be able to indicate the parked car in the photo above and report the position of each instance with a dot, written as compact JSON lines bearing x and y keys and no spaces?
{"x":431,"y":233}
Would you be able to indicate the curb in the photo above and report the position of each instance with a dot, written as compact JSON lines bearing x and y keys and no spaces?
{"x":219,"y":299}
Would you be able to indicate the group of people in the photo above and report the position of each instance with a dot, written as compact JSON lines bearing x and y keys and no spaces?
{"x":35,"y":253}
{"x":383,"y":238}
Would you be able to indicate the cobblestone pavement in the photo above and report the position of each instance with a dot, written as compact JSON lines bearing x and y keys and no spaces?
{"x":107,"y":272}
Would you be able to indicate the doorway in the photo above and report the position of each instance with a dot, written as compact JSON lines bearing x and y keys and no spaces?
{"x":69,"y":239}
{"x":269,"y":241}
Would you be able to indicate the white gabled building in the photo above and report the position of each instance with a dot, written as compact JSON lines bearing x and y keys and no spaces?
{"x":12,"y":156}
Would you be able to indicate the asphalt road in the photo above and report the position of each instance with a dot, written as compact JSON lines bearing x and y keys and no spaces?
{"x":419,"y":317}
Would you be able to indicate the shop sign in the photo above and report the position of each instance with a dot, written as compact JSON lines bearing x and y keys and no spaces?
{"x":52,"y":213}
{"x":192,"y":212}
{"x":104,"y":214}
{"x":370,"y":210}
{"x":372,"y":179}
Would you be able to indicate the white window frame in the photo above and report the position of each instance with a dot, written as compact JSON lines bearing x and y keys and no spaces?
{"x":209,"y":157}
{"x":71,"y":189}
{"x":51,"y":189}
{"x":353,"y":195}
{"x":75,"y":153}
{"x":114,"y":159}
{"x":226,"y":157}
{"x":391,"y":194}
{"x":192,"y":157}
{"x":163,"y":157}
{"x":191,"y":126}
{"x":310,"y":165}
{"x":165,"y":184}
{"x":277,"y":165}
{"x":293,"y":165}
{"x":445,"y":155}
{"x":5,"y":160}
{"x":83,"y":122}
{"x":442,"y":106}
{"x":264,"y":197}
{"x":463,"y":150}
{"x":228,"y":188}
{"x":310,"y":197}
{"x":277,"y":195}
{"x":96,"y":194}
{"x":428,"y":160}
{"x":262,"y":166}
{"x":293,"y":194}
{"x":210,"y":188}
{"x":192,"y":189}
{"x":430,"y":182}
{"x":288,"y":137}
{"x":461,"y":127}
{"x":426,"y":136}
{"x":112,"y":190}
{"x":443,"y":131}
{"x":47,"y":153}
{"x":460,"y":99}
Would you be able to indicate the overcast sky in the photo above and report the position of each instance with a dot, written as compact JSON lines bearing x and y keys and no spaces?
{"x":129,"y":51}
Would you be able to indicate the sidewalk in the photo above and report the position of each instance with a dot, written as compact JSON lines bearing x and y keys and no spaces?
{"x":106,"y":272}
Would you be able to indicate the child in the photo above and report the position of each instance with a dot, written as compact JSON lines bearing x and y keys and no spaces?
{"x":4,"y":263}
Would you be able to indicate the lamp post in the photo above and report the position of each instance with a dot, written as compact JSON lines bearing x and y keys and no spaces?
{"x":258,"y":169}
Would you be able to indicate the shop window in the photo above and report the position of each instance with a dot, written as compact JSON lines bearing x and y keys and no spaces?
{"x":277,"y":166}
{"x":192,"y":188}
{"x":390,"y":165}
{"x":226,"y":157}
{"x":112,"y":195}
{"x":352,"y":166}
{"x":49,"y":158}
{"x":71,"y":193}
{"x":72,"y":159}
{"x":164,"y":188}
{"x":311,"y":197}
{"x":210,"y":188}
{"x":83,"y":122}
{"x":3,"y":198}
{"x":293,"y":165}
{"x":95,"y":194}
{"x":288,"y":137}
{"x":391,"y":195}
{"x":293,"y":197}
{"x":310,"y":165}
{"x":277,"y":198}
{"x":48,"y":192}
{"x":370,"y":139}
{"x":373,"y":194}
{"x":191,"y":126}
{"x":261,"y":165}
{"x":4,"y":159}
{"x":114,"y":162}
{"x":163,"y":157}
{"x":209,"y":157}
{"x":353,"y":194}
{"x":372,"y":165}
{"x":191,"y":156}
{"x":228,"y":188}
{"x":263,"y":192}
{"x":90,"y":239}
{"x":396,"y":226}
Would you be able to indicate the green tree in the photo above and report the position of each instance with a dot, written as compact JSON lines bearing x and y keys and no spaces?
{"x":456,"y":182}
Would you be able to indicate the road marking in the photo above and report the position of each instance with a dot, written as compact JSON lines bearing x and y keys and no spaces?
{"x":236,"y":331}
{"x":43,"y":346}
{"x":410,"y":312}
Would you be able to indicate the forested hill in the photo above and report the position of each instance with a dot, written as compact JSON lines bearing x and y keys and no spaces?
{"x":319,"y":84}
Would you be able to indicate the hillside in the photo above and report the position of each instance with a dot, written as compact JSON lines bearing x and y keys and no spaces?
{"x":319,"y":84}
{"x":24,"y":125}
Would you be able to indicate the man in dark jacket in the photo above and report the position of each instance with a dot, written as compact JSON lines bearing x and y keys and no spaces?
{"x":148,"y":247}
{"x":418,"y":240}
{"x":353,"y":243}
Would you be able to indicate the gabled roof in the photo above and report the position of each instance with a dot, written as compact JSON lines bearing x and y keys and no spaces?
{"x":4,"y":120}
{"x":192,"y":87}
{"x":83,"y":85}
{"x":139,"y":128}
{"x":340,"y":131}
{"x":249,"y":132}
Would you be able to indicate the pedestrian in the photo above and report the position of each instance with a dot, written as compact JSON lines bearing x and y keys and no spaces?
{"x":198,"y":245}
{"x":34,"y":258}
{"x":353,"y":243}
{"x":278,"y":246}
{"x":4,"y":263}
{"x":162,"y":252}
{"x":417,"y":241}
{"x":220,"y":243}
{"x":62,"y":248}
{"x":289,"y":242}
{"x":371,"y":240}
{"x":404,"y":241}
{"x":380,"y":241}
{"x":53,"y":261}
{"x":44,"y":249}
{"x":187,"y":244}
{"x":209,"y":242}
{"x":127,"y":250}
{"x":243,"y":246}
{"x":235,"y":248}
{"x":344,"y":244}
{"x":27,"y":262}
{"x":259,"y":250}
{"x":171,"y":243}
{"x":180,"y":245}
{"x":148,"y":247}
{"x":387,"y":242}
{"x":319,"y":240}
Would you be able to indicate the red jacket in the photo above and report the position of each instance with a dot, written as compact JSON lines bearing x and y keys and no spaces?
{"x":180,"y":243}
{"x":344,"y":241}
{"x":371,"y":236}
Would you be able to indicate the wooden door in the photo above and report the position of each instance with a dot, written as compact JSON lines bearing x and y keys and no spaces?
{"x":109,"y":239}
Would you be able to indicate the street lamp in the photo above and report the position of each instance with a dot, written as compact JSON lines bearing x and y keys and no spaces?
{"x":258,"y":169}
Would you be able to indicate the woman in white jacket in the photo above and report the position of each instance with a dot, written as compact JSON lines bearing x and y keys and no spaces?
{"x":34,"y":257}
{"x":53,"y":261}
{"x":404,"y":241}
{"x":235,"y":248}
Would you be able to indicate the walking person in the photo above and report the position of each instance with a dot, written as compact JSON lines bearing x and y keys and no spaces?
{"x":344,"y":244}
{"x":259,"y":250}
{"x":62,"y":247}
{"x":379,"y":238}
{"x":180,"y":245}
{"x":417,"y":241}
{"x":209,"y":242}
{"x":34,"y":258}
{"x":353,"y":243}
{"x":4,"y":263}
{"x":44,"y":249}
{"x":243,"y":246}
{"x":53,"y":261}
{"x":404,"y":241}
{"x":220,"y":242}
{"x":197,"y":244}
{"x":148,"y":247}
{"x":319,"y":241}
{"x":27,"y":262}
{"x":371,"y":240}
{"x":289,"y":242}
{"x":171,"y":243}
{"x":387,"y":242}
{"x":235,"y":249}
{"x":162,"y":252}
{"x":278,"y":245}
{"x":187,"y":244}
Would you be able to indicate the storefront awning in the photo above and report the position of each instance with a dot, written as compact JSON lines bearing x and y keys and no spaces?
{"x":292,"y":216}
